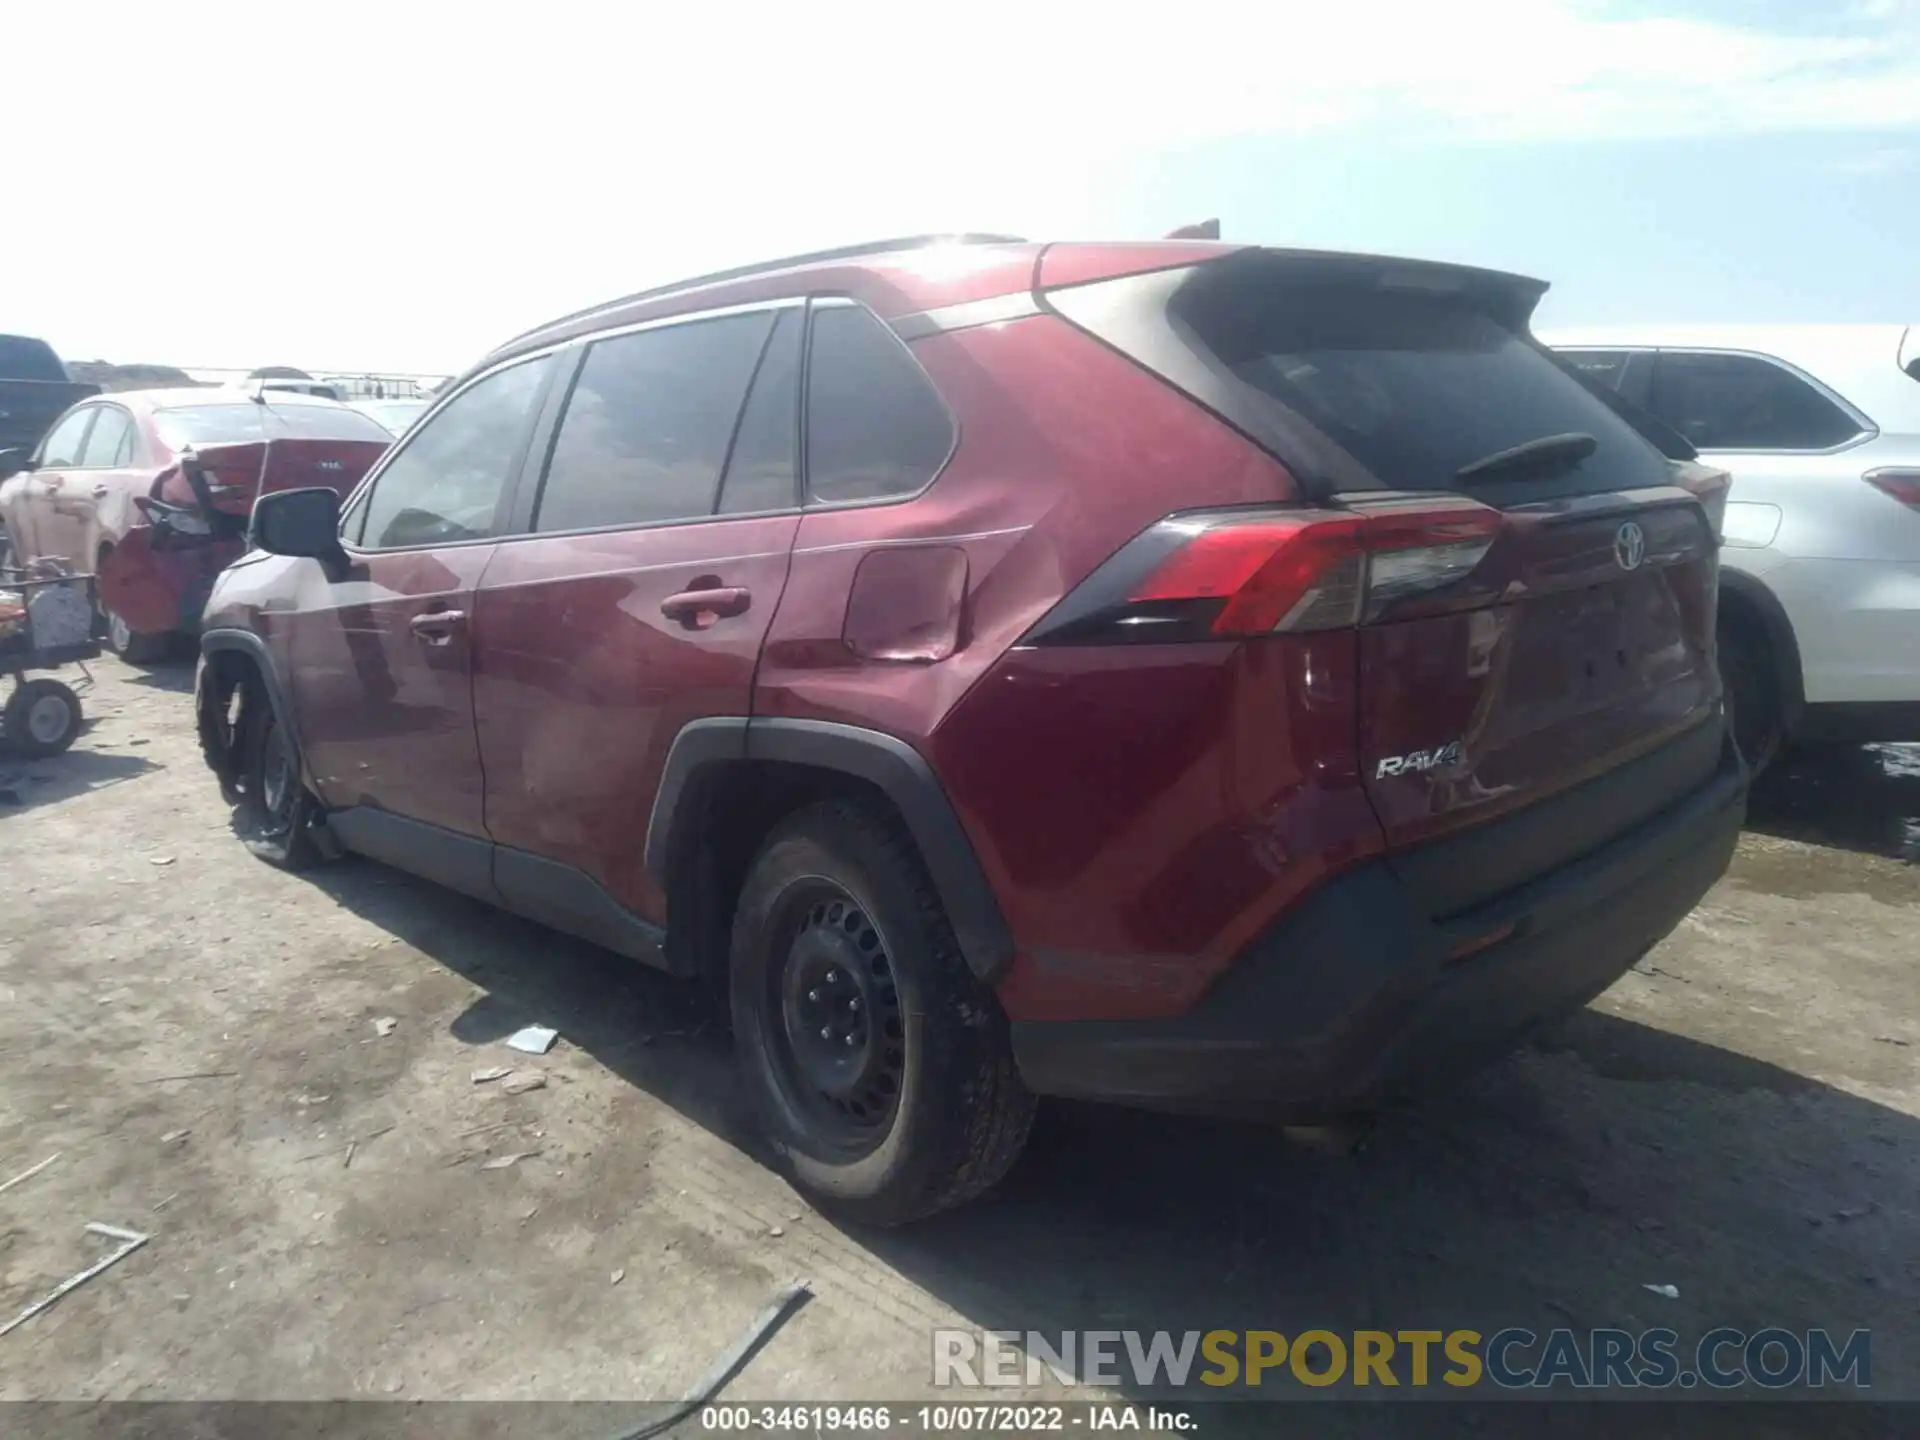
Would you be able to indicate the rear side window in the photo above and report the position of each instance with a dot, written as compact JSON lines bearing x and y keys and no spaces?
{"x":761,"y":475}
{"x":110,"y":445}
{"x":1745,"y":402}
{"x":1413,"y":387}
{"x":1606,"y":367}
{"x":875,"y":426}
{"x":647,"y":428}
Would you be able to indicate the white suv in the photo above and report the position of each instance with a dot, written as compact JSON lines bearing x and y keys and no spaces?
{"x":1820,"y":577}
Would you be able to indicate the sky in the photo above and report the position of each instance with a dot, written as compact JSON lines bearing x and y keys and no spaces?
{"x":403,"y":186}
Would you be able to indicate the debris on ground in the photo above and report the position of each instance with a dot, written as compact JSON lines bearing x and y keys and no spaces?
{"x":730,"y":1364}
{"x":166,"y":1200}
{"x":28,"y":1174}
{"x":512,"y":1157}
{"x":160,"y":859}
{"x":491,"y":1073}
{"x":130,"y":1241}
{"x":533,"y":1039}
{"x":192,"y":1075}
{"x":350,"y":1145}
{"x":777,"y":1231}
{"x":385,"y":1025}
{"x":303,"y":1100}
{"x":483,"y":1129}
{"x":616,"y":1277}
{"x":174,"y":1137}
{"x":1672,"y":1292}
{"x":521,"y":1081}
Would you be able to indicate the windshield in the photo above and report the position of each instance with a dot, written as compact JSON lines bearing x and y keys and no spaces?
{"x":277,"y":419}
{"x":1415,"y":388}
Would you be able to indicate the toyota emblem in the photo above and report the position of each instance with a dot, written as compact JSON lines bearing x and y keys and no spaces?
{"x":1630,"y":546}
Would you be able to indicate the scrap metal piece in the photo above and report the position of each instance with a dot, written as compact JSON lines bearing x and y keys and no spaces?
{"x":130,"y":1241}
{"x":728,"y":1365}
{"x":29,"y":1174}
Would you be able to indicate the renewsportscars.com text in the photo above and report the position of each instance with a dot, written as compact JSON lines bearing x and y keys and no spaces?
{"x":1512,"y":1358}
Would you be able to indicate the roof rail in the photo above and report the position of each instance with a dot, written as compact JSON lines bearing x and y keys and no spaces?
{"x":740,"y":272}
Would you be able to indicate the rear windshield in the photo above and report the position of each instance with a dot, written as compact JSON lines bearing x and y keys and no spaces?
{"x":24,"y":358}
{"x":236,"y":423}
{"x":1412,"y":387}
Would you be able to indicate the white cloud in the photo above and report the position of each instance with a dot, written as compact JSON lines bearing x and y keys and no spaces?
{"x":449,"y":173}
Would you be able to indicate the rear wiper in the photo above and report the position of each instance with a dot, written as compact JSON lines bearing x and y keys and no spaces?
{"x":1543,"y":456}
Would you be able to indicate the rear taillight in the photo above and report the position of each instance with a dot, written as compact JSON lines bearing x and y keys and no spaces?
{"x":1229,"y":574}
{"x":1709,"y":486}
{"x":1902,"y":485}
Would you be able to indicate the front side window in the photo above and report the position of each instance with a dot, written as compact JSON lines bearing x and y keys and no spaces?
{"x":61,"y":449}
{"x":1744,"y":402}
{"x":110,"y":445}
{"x":445,"y":485}
{"x":649,"y":423}
{"x":876,"y":428}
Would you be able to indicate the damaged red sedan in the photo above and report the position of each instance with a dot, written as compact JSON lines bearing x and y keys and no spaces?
{"x":151,"y":489}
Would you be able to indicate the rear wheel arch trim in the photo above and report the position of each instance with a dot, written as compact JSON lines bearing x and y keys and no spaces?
{"x":1777,"y":631}
{"x":888,"y":763}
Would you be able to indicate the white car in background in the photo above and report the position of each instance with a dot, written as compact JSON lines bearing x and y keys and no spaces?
{"x":1819,"y":426}
{"x":396,"y":414}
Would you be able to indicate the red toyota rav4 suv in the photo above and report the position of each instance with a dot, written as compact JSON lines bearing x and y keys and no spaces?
{"x":1198,"y":677}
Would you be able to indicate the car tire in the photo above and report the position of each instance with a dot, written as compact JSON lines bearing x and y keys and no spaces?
{"x":275,"y":813}
{"x":133,"y":646}
{"x":840,"y":943}
{"x":1752,"y":700}
{"x":42,"y":718}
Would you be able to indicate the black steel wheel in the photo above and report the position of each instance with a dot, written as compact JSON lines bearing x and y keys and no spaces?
{"x":881,"y":1067}
{"x":834,"y":1015}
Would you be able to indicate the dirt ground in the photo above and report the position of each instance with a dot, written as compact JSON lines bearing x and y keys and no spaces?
{"x":1740,"y":1118}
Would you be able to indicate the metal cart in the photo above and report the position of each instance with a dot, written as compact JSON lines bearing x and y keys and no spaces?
{"x":45,"y":622}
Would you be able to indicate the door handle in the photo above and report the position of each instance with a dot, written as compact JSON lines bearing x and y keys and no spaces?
{"x":436,"y":627}
{"x":100,"y":492}
{"x":722,"y":600}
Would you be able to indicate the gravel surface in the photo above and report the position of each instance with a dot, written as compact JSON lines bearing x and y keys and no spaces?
{"x":335,"y":1211}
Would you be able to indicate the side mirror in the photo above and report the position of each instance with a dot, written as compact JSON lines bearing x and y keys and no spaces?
{"x":13,"y":462}
{"x":304,"y":523}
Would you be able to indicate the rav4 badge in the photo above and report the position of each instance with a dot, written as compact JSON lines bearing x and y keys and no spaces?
{"x":1417,"y":760}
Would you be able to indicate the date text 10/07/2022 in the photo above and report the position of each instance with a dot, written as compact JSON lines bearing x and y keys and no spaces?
{"x":948,"y":1419}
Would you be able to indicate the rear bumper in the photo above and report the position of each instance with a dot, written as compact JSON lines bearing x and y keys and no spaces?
{"x":158,"y":591}
{"x":1354,"y":997}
